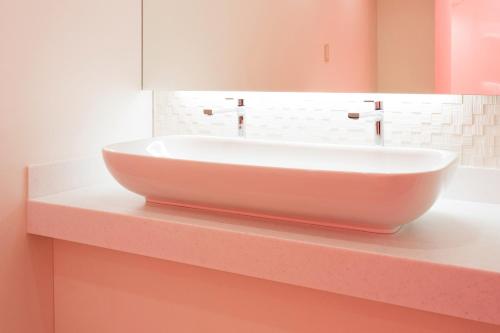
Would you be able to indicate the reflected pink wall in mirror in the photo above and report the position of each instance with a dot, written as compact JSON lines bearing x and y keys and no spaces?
{"x":467,"y":46}
{"x":443,"y":46}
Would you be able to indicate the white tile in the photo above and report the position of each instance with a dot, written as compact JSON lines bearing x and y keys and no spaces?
{"x":467,"y":124}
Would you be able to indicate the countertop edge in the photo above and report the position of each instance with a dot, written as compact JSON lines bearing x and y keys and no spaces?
{"x":444,"y":289}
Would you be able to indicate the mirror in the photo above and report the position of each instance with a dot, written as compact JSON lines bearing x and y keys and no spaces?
{"x":390,"y":46}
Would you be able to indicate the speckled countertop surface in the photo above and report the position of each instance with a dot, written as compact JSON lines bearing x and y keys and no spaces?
{"x":445,"y":262}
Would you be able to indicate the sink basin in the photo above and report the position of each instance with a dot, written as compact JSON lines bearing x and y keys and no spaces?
{"x":375,"y":189}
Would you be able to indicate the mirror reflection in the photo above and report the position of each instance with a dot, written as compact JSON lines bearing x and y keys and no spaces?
{"x":390,"y":46}
{"x":442,"y":46}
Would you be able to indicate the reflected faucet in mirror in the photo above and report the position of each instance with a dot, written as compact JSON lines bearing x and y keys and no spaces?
{"x":240,"y":109}
{"x":378,"y":115}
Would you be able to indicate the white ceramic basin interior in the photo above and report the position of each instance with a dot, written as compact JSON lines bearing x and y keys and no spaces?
{"x":376,"y":189}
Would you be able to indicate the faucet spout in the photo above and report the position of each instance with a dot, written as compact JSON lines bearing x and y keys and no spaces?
{"x":378,"y":115}
{"x":240,"y":109}
{"x":365,"y":115}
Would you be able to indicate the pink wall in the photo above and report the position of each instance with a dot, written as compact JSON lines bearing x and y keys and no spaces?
{"x":271,"y":46}
{"x":350,"y":27}
{"x":468,"y":44}
{"x":98,"y":290}
{"x":405,"y":55}
{"x":69,"y":72}
{"x":443,"y":46}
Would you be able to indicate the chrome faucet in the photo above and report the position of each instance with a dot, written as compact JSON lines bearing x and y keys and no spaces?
{"x":240,"y":109}
{"x":378,"y":115}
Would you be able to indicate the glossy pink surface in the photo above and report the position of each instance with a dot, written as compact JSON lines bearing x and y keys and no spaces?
{"x":467,"y":46}
{"x":364,"y":188}
{"x":442,"y":46}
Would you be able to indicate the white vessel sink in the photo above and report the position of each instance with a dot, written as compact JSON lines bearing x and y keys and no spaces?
{"x":376,"y":189}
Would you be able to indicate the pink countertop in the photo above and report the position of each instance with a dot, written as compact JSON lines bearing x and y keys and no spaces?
{"x":446,"y":262}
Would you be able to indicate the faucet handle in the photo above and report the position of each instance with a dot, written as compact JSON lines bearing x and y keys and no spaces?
{"x":241,"y":101}
{"x":377,"y":104}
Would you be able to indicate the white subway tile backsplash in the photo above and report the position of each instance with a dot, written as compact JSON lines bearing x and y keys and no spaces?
{"x":469,"y":125}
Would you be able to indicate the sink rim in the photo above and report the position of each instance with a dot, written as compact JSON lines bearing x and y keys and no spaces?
{"x":448,"y":157}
